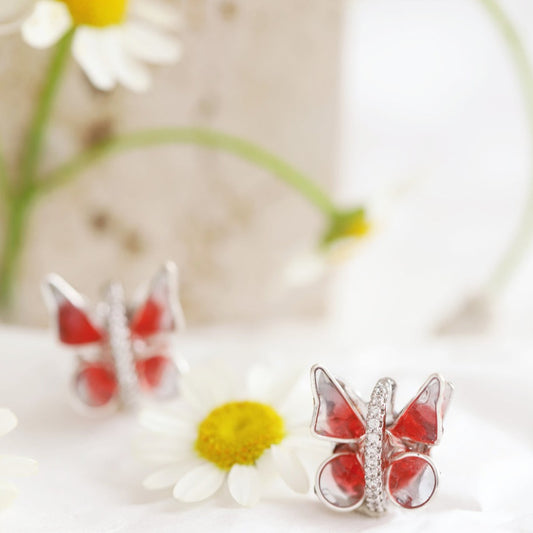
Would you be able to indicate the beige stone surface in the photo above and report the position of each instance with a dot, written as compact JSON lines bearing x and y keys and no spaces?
{"x":266,"y":70}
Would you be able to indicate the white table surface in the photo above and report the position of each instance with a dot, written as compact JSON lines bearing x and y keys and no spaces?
{"x":90,"y":481}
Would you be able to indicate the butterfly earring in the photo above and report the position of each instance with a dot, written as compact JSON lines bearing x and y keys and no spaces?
{"x":121,"y":353}
{"x":379,"y":456}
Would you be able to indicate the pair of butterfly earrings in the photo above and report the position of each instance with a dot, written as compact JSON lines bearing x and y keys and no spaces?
{"x":379,"y":456}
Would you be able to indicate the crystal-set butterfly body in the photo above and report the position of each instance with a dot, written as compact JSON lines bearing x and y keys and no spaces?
{"x":379,"y":456}
{"x":121,"y":353}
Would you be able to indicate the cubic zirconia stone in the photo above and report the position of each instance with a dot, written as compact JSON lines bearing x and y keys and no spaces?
{"x":373,"y":424}
{"x":373,"y":438}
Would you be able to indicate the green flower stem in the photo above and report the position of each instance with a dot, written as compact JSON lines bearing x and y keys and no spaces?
{"x":34,"y":142}
{"x":519,"y":243}
{"x":68,"y":172}
{"x":199,"y":137}
{"x":5,"y":185}
{"x":20,"y":193}
{"x":14,"y":240}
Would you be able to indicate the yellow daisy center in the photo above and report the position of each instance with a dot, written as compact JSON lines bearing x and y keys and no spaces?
{"x":238,"y":433}
{"x":359,"y":227}
{"x":100,"y":13}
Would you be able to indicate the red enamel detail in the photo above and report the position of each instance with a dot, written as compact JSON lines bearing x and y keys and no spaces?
{"x":419,"y":421}
{"x":146,"y":320}
{"x":157,"y":313}
{"x":96,"y":385}
{"x":412,"y":481}
{"x":151,"y":318}
{"x":74,"y":325}
{"x":336,"y":417}
{"x":342,"y":481}
{"x":157,"y":374}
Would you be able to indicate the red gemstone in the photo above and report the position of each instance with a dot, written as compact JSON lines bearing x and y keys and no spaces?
{"x":75,"y":327}
{"x":419,"y":421}
{"x":336,"y":416}
{"x":342,"y":481}
{"x":96,"y":385}
{"x":158,"y":375}
{"x":412,"y":481}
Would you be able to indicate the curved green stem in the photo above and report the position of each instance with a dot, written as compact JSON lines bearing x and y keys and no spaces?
{"x":196,"y":136}
{"x":5,"y":185}
{"x":524,"y":233}
{"x":34,"y":141}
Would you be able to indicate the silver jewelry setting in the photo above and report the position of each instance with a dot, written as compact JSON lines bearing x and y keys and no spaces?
{"x":120,"y":345}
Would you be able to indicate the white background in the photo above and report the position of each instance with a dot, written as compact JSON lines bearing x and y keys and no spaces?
{"x":433,"y":116}
{"x":90,"y":481}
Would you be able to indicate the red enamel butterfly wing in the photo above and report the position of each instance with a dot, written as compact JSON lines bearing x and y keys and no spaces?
{"x":158,"y":375}
{"x":336,"y":416}
{"x":74,"y":325}
{"x":340,"y":481}
{"x":411,"y":480}
{"x":95,"y":384}
{"x":421,"y":420}
{"x":160,"y":312}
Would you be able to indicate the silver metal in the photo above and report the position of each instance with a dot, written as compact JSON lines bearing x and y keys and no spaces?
{"x":120,"y":345}
{"x":376,"y":418}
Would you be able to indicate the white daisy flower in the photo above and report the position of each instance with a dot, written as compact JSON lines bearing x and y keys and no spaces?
{"x":11,"y":465}
{"x":341,"y":240}
{"x":112,"y":40}
{"x":221,"y":432}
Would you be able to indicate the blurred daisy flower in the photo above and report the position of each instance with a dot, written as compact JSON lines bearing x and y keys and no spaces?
{"x":11,"y":465}
{"x":226,"y":433}
{"x":345,"y":231}
{"x":112,"y":38}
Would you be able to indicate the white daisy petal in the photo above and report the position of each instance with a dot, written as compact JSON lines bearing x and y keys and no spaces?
{"x":273,"y":387}
{"x":127,"y":70}
{"x":169,"y":421}
{"x":304,"y":270}
{"x":8,"y":421}
{"x":49,"y":21}
{"x":13,"y":14}
{"x":11,"y":465}
{"x":199,"y":483}
{"x":157,"y":13}
{"x":245,"y":484}
{"x":89,"y":50}
{"x":150,"y":46}
{"x":297,"y":415}
{"x":290,"y":468}
{"x":167,"y":476}
{"x":265,"y":465}
{"x":8,"y":493}
{"x":203,"y":388}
